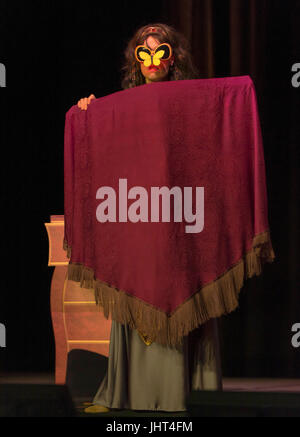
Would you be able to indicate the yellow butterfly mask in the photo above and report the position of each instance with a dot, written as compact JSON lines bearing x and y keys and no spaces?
{"x":147,"y":56}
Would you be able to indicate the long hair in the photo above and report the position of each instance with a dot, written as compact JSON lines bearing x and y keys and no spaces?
{"x":182,"y":68}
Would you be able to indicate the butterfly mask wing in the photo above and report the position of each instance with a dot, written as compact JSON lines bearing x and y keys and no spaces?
{"x":145,"y":55}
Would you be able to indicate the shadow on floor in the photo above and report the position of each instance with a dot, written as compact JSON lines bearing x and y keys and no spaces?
{"x":85,"y":371}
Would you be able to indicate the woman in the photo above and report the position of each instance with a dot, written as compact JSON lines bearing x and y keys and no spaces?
{"x":144,"y":375}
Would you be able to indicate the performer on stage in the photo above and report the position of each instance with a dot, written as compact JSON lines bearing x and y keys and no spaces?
{"x":145,"y":375}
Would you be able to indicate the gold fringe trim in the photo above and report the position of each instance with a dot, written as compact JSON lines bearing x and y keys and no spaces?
{"x":67,"y":249}
{"x":212,"y":300}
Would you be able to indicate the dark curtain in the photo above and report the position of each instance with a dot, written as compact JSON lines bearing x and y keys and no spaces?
{"x":259,"y":38}
{"x":58,"y":52}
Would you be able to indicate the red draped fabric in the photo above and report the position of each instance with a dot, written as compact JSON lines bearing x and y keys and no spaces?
{"x":177,"y":171}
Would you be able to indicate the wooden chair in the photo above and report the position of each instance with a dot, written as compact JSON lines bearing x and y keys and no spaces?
{"x":77,"y":322}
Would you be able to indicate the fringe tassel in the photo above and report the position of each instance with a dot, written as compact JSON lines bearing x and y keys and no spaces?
{"x":211,"y":301}
{"x":67,"y":249}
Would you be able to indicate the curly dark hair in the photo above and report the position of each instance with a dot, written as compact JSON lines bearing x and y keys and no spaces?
{"x":183,"y":67}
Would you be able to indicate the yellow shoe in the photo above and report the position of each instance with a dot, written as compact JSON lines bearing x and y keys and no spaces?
{"x":96,"y":409}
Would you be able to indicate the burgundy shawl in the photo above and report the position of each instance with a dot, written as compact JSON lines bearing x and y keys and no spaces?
{"x":154,"y":275}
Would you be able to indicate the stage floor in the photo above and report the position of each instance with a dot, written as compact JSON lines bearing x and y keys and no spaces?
{"x":229,"y":384}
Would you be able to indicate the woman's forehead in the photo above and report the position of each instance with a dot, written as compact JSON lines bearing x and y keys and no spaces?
{"x":151,"y":42}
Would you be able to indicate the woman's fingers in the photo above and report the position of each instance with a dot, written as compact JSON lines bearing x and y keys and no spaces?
{"x":85,"y":101}
{"x":81,"y":103}
{"x":90,"y":98}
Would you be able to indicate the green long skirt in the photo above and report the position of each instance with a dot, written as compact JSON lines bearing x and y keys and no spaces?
{"x":156,"y":377}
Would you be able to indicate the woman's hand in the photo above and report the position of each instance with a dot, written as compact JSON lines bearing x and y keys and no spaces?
{"x":85,"y":101}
